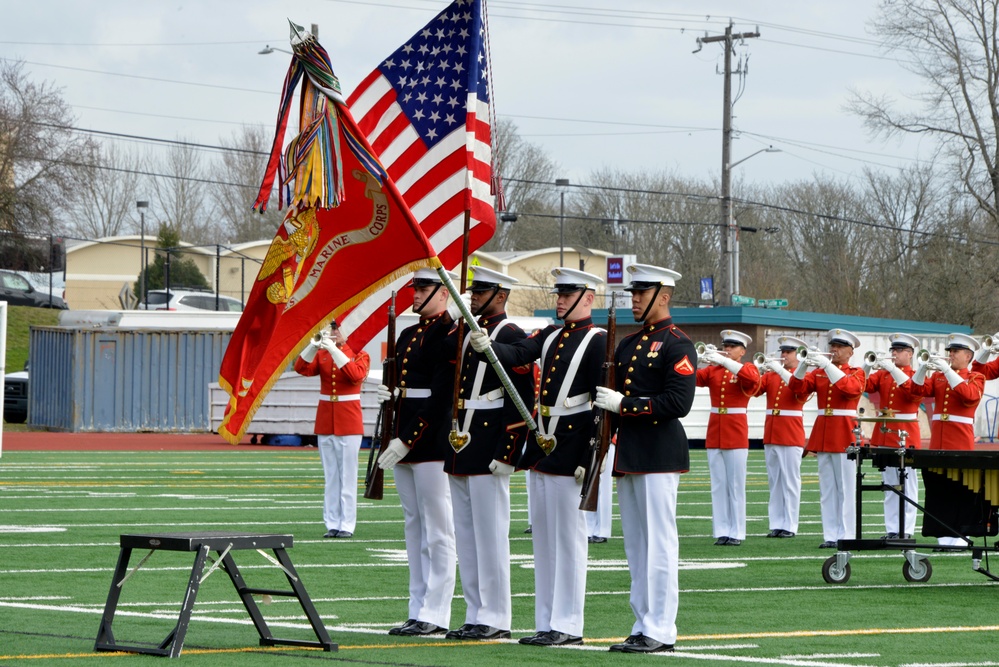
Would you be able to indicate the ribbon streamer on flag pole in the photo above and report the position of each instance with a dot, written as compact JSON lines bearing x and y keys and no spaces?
{"x":491,"y":356}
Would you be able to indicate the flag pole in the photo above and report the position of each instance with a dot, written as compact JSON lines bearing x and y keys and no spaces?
{"x":461,"y":331}
{"x":490,"y":356}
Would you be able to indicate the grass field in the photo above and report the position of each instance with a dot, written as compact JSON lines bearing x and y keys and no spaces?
{"x":762,"y":603}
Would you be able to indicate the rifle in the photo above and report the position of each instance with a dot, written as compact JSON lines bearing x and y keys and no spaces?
{"x":374,"y":479}
{"x":600,"y":441}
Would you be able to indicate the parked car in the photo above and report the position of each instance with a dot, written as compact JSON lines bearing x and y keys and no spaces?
{"x":15,"y":397}
{"x":17,"y":290}
{"x":187,"y":299}
{"x":46,"y":284}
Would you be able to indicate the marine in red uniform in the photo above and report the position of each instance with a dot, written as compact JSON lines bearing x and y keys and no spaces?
{"x":783,"y":438}
{"x":981,"y":364}
{"x":731,"y":384}
{"x":888,"y":378}
{"x":956,"y":391}
{"x":838,"y":387}
{"x":339,"y":425}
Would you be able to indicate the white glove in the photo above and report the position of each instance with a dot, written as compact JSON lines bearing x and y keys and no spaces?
{"x":309,"y":353}
{"x":394,"y":453}
{"x":983,"y":354}
{"x":784,"y":374}
{"x":897,"y":374}
{"x":479,"y":340}
{"x":384,"y":394}
{"x":773,"y":365}
{"x":579,"y":474}
{"x":885,"y":365}
{"x":454,"y":311}
{"x":603,"y":465}
{"x":801,"y":370}
{"x":730,"y":365}
{"x":834,"y":373}
{"x":920,"y":374}
{"x":500,"y":469}
{"x":953,"y":379}
{"x":819,"y":360}
{"x":609,"y":400}
{"x":339,"y":356}
{"x":938,"y":365}
{"x":711,"y":357}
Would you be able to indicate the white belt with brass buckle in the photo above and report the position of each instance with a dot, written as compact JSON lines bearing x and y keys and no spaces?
{"x":480,"y":403}
{"x":414,"y":392}
{"x":340,"y":398}
{"x":728,"y":411}
{"x":834,"y":412}
{"x":559,"y":411}
{"x":953,"y":418}
{"x":779,"y":412}
{"x":907,"y":416}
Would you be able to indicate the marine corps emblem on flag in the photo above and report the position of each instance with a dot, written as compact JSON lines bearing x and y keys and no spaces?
{"x":684,"y":367}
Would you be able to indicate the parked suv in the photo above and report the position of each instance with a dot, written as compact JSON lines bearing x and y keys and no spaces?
{"x":15,"y":397}
{"x":17,"y":290}
{"x":187,"y":299}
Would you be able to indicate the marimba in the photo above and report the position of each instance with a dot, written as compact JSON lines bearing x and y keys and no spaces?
{"x":961,"y":499}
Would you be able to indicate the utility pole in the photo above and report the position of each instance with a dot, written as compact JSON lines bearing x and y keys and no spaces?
{"x":729,"y":231}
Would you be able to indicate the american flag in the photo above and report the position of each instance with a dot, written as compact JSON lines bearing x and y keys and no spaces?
{"x":425,"y":111}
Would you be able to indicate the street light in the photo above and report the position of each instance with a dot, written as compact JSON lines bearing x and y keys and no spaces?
{"x":142,"y":205}
{"x":732,"y":232}
{"x":561,"y":183}
{"x":271,"y":49}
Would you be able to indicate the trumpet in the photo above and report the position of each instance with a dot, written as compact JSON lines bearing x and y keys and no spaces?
{"x":803,"y":353}
{"x":761,"y":360}
{"x":925,"y":356}
{"x":704,"y":348}
{"x":872,"y":357}
{"x":323,"y":339}
{"x":991,"y":342}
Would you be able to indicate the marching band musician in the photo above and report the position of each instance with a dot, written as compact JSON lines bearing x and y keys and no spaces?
{"x":339,"y":424}
{"x":981,"y":363}
{"x":486,"y":449}
{"x":896,"y":399}
{"x":783,"y":438}
{"x":956,"y":391}
{"x":416,"y":453}
{"x":838,"y":387}
{"x":731,"y":384}
{"x":571,"y":357}
{"x":655,"y":383}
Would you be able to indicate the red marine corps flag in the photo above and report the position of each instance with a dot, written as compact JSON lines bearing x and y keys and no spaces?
{"x":347,"y":234}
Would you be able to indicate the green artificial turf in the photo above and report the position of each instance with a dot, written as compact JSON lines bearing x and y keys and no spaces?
{"x":764,"y":602}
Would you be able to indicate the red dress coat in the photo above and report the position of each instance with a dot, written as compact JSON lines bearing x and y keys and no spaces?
{"x":961,"y":402}
{"x":728,"y":430}
{"x":335,"y":416}
{"x":990,"y":370}
{"x":832,"y":432}
{"x":785,"y":423}
{"x":894,"y":399}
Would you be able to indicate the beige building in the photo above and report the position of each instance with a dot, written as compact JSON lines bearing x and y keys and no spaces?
{"x":98,"y":271}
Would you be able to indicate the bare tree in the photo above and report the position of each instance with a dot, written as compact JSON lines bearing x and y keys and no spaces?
{"x":39,"y":153}
{"x":239,"y":171}
{"x":954,"y":47}
{"x":181,"y":194}
{"x":104,"y":203}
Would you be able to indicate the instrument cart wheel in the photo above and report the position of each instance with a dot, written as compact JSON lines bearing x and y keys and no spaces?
{"x":833,"y":573}
{"x":918,"y":572}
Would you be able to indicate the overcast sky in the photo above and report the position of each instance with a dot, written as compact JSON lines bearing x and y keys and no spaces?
{"x":596,"y":83}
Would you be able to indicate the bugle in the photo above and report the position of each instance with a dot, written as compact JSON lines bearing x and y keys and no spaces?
{"x":320,"y":337}
{"x":761,"y":360}
{"x":924,"y":356}
{"x":803,"y":352}
{"x":871,"y":357}
{"x":991,"y":342}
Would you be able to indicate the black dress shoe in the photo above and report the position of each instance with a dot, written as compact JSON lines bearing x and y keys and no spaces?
{"x":529,"y":530}
{"x":459,"y":633}
{"x":785,"y":533}
{"x":890,"y":536}
{"x":722,"y":541}
{"x":828,"y":544}
{"x":533,"y":639}
{"x":774,"y":533}
{"x":330,"y":533}
{"x":627,"y":642}
{"x":733,"y":542}
{"x":343,"y":534}
{"x":485,"y":632}
{"x":648,"y":645}
{"x":398,"y":630}
{"x":593,"y":539}
{"x":421,"y":628}
{"x":556,"y":638}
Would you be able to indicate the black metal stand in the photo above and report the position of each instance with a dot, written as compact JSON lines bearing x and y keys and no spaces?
{"x":203,"y":543}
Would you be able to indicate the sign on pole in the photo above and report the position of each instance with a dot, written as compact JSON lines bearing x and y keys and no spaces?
{"x":707,"y":289}
{"x":739,"y":300}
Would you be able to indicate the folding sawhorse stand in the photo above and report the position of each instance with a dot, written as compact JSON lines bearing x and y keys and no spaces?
{"x":204,"y":543}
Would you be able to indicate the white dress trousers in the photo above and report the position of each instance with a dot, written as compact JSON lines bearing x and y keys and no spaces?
{"x":339,"y":456}
{"x":559,"y":537}
{"x":598,"y":523}
{"x":728,"y":492}
{"x":890,"y":476}
{"x":648,"y":521}
{"x":837,"y":496}
{"x":481,"y":506}
{"x":425,"y":496}
{"x":784,"y":478}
